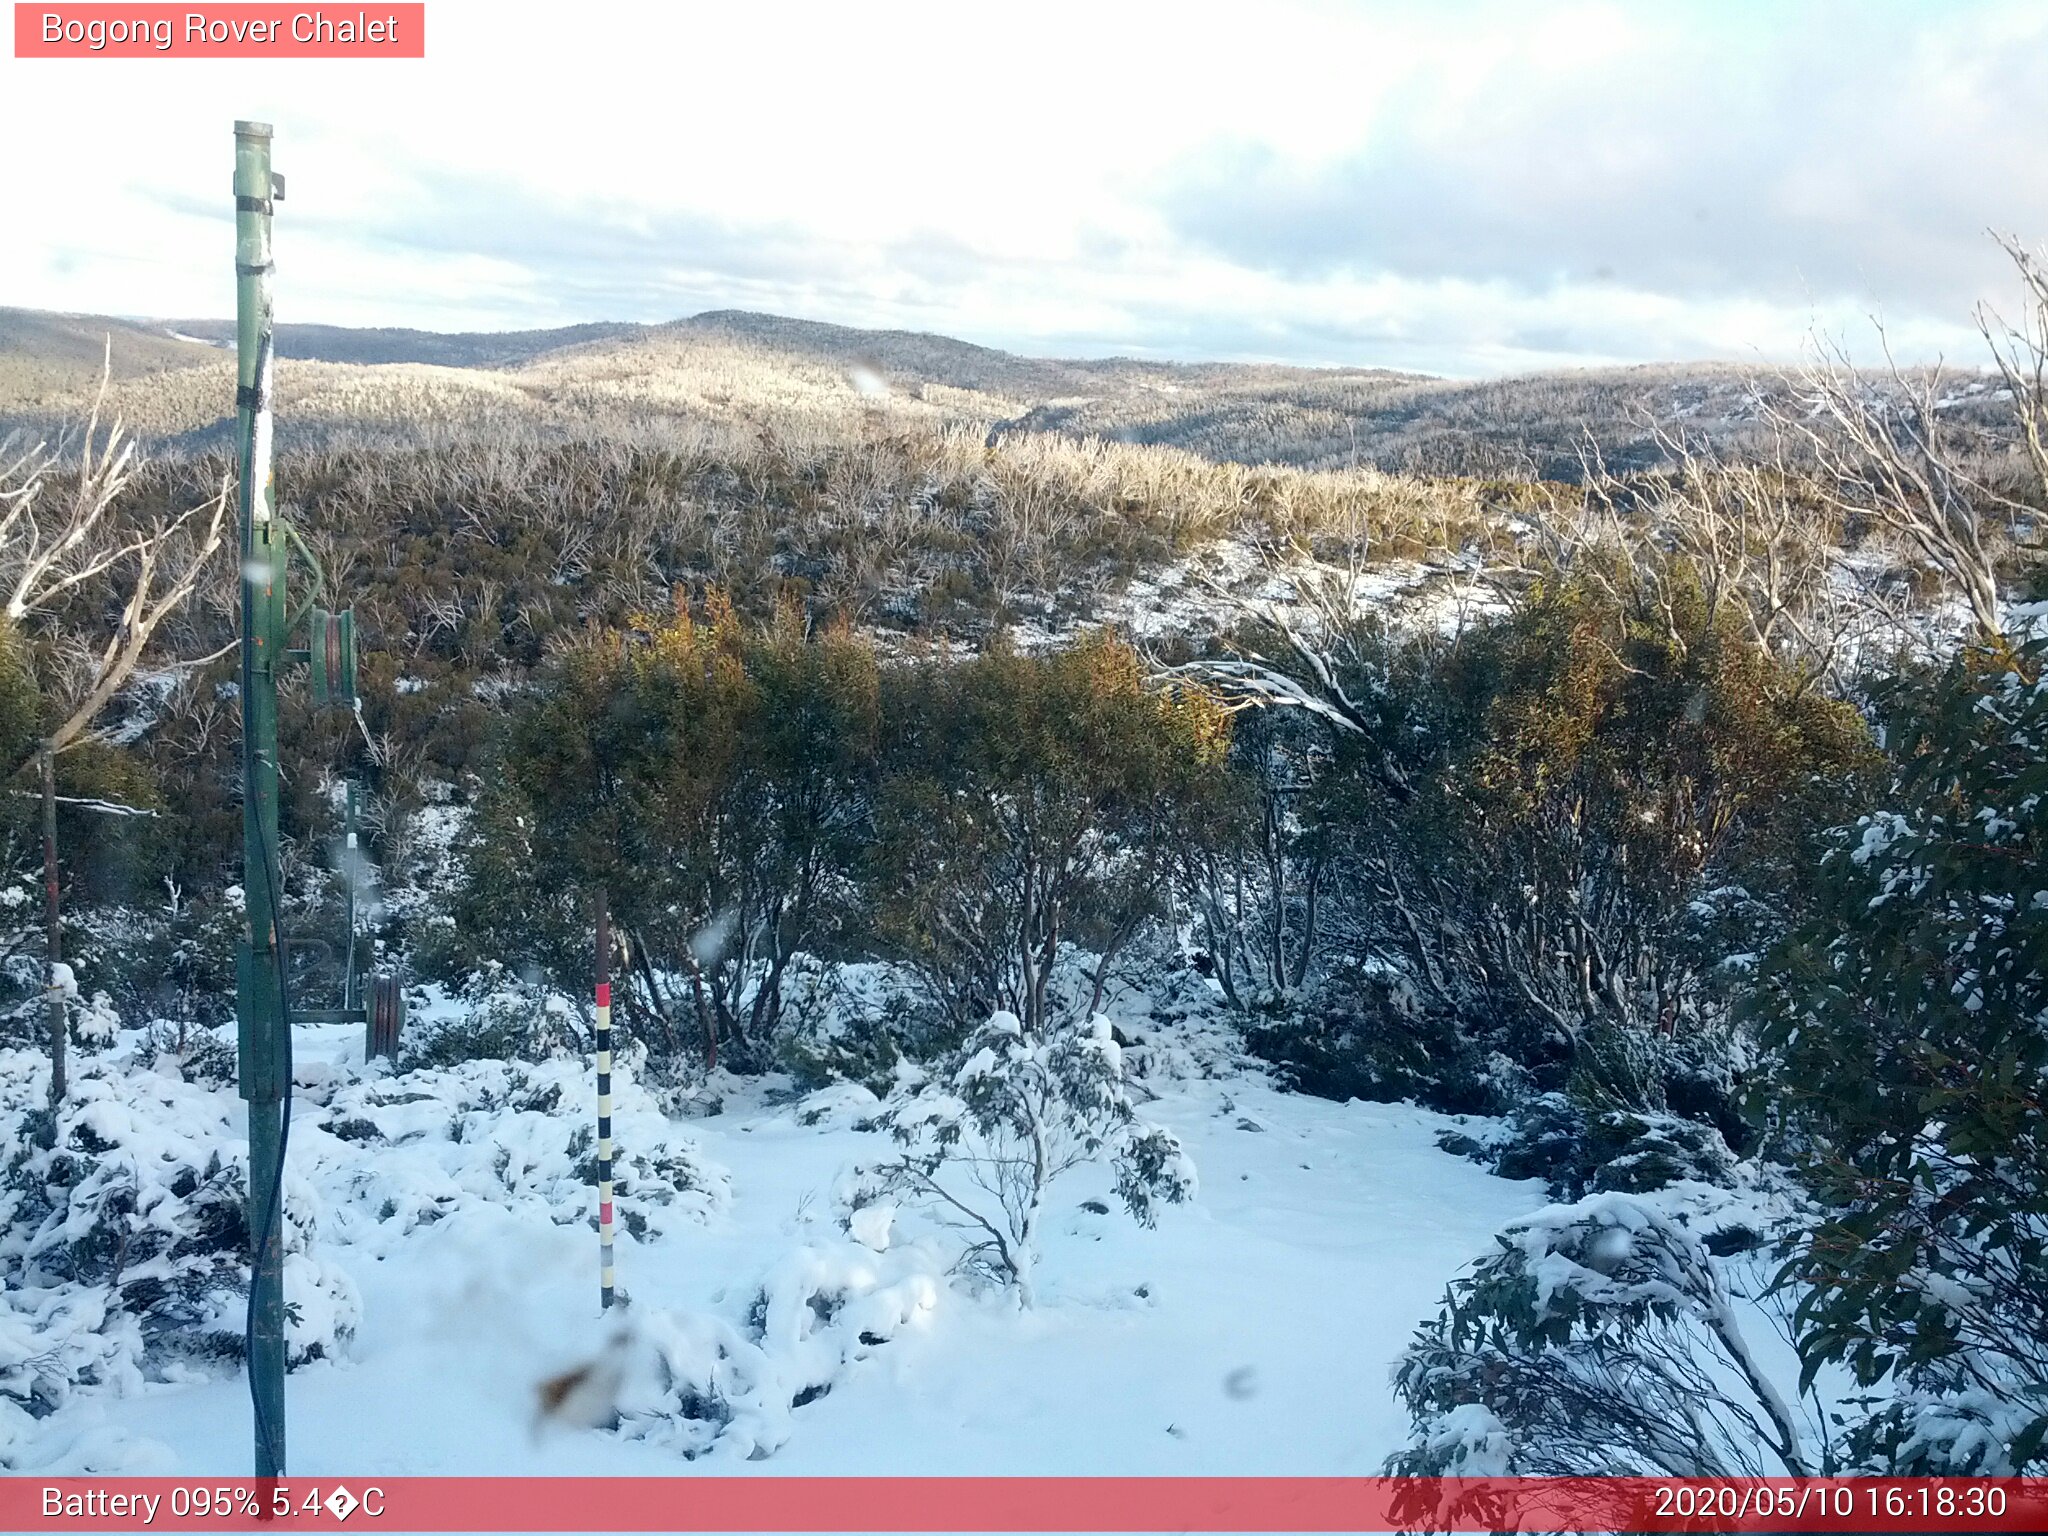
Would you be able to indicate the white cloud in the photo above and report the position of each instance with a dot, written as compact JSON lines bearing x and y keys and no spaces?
{"x":1460,"y":187}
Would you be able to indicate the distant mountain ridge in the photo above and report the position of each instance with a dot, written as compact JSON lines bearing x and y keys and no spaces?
{"x":47,"y":356}
{"x":369,"y":345}
{"x":739,"y":365}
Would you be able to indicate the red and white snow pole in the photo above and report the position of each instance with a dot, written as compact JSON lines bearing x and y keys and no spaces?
{"x":604,"y":1095}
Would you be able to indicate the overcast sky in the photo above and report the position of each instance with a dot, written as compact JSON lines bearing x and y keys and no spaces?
{"x":1468,"y":189}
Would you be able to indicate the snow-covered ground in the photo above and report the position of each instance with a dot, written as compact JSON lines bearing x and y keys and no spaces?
{"x":1251,"y":1331}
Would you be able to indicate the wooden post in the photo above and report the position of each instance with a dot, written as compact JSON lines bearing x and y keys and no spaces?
{"x":385,"y":1019}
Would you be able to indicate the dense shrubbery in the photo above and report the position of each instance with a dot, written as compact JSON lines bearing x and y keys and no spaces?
{"x":1902,"y":1016}
{"x":1525,"y":876}
{"x":138,"y":1204}
{"x":1543,"y":841}
{"x":750,"y":795}
{"x":1029,"y":805}
{"x":1909,"y":1021}
{"x":1529,"y":869}
{"x":716,"y":780}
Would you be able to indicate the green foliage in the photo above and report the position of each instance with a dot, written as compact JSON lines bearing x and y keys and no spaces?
{"x":1030,"y":803}
{"x":714,"y":778}
{"x":1606,"y":791}
{"x":1909,"y":1017}
{"x":1599,"y":1338}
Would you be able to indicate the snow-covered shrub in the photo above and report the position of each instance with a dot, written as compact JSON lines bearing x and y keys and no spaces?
{"x":1708,"y":1078}
{"x":1957,"y":1431}
{"x":1540,"y":823}
{"x":1574,"y":1151}
{"x":864,"y":1056}
{"x":496,"y":1133}
{"x":1603,"y":1338}
{"x":710,"y":1382}
{"x":1638,"y":1153}
{"x":201,"y":1056}
{"x":1367,"y":1037}
{"x":495,"y":1017}
{"x":982,"y":1144}
{"x":1178,"y":1029}
{"x":1909,"y":1024}
{"x":175,"y":959}
{"x":849,"y":1022}
{"x":56,"y":1342}
{"x":94,"y":1024}
{"x":124,"y":1247}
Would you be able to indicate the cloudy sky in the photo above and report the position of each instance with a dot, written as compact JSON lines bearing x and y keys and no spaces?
{"x":1461,"y":188}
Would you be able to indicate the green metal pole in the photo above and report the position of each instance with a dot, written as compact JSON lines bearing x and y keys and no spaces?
{"x":265,"y":1039}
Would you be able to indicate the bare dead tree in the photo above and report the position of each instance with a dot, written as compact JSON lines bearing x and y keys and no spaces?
{"x":2020,"y":349}
{"x":1310,"y":654}
{"x":60,"y":530}
{"x":1888,"y":450}
{"x":1753,"y":528}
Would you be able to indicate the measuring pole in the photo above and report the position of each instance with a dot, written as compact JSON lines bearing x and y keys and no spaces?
{"x":351,"y":998}
{"x":264,"y":1036}
{"x":604,"y":1097}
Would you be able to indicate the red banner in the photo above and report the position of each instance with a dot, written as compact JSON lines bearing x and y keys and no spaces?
{"x":687,"y":1502}
{"x":379,"y":31}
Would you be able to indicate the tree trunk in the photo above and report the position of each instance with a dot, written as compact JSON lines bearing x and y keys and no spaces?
{"x":53,"y":918}
{"x":704,"y":1018}
{"x":637,"y":959}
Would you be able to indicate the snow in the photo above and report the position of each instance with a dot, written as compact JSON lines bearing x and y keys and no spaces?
{"x":870,"y":1225}
{"x":767,"y":1327}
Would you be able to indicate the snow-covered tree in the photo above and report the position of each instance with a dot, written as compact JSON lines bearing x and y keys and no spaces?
{"x":1910,"y":1018}
{"x":1602,"y":1339}
{"x":982,"y":1144}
